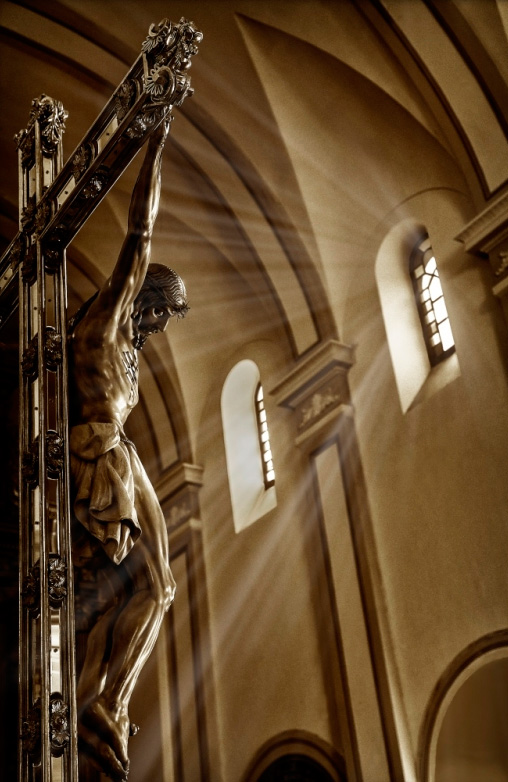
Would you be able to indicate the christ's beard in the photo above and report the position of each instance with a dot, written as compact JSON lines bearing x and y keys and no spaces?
{"x":139,"y":340}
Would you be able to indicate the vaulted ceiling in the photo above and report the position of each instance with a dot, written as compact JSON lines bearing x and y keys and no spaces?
{"x":311,"y":121}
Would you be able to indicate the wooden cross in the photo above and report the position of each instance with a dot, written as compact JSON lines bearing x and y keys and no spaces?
{"x":55,"y":200}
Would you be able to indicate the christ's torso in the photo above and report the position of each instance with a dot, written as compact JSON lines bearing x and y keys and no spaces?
{"x":104,"y":373}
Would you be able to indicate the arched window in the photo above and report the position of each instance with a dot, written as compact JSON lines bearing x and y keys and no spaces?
{"x":418,"y":337}
{"x":431,"y":305}
{"x":249,"y":456}
{"x":264,"y":439}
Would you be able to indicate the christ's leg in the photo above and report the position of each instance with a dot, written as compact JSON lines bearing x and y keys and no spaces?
{"x":133,"y":636}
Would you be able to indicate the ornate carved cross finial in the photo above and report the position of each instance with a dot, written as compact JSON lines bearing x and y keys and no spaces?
{"x":51,"y":115}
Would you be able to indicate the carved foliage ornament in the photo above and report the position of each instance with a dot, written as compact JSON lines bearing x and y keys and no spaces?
{"x":51,"y":116}
{"x":54,"y":454}
{"x":29,"y":360}
{"x":124,"y":98}
{"x":57,"y":585}
{"x":146,"y":120}
{"x":28,"y":215}
{"x":52,"y":348}
{"x":182,"y":46}
{"x":160,"y":84}
{"x":57,"y":580}
{"x":318,"y":403}
{"x":18,"y":250}
{"x":30,"y":465}
{"x":35,"y":217}
{"x":59,"y":729}
{"x":172,"y":47}
{"x":29,"y":267}
{"x":52,"y":353}
{"x":502,"y":266}
{"x":95,"y":184}
{"x":81,"y":161}
{"x":159,"y":34}
{"x":42,"y":216}
{"x":54,"y":458}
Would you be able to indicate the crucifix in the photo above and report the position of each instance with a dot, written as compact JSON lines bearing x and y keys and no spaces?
{"x":56,"y":437}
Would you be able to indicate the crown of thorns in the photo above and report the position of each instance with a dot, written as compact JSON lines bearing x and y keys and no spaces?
{"x":171,"y":290}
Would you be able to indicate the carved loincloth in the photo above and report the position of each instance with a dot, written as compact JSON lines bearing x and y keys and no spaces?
{"x":112,"y":492}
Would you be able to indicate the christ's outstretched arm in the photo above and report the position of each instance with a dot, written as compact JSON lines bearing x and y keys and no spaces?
{"x":125,"y":282}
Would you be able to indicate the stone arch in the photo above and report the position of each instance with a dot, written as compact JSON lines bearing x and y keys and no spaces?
{"x":296,"y":751}
{"x":488,"y":649}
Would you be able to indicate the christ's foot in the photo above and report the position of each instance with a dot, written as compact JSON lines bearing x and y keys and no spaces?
{"x":110,"y":725}
{"x":101,"y":755}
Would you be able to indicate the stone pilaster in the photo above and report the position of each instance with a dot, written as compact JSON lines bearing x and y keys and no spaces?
{"x":340,"y":548}
{"x":191,"y":731}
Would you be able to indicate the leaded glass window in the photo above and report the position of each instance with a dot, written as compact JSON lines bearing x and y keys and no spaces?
{"x":264,"y":439}
{"x":431,"y":304}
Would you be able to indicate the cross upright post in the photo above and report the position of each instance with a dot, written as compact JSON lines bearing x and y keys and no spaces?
{"x":54,"y":202}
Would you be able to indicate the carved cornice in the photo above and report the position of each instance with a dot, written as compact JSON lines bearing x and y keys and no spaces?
{"x":487,"y":228}
{"x":317,"y":389}
{"x":177,"y":490}
{"x":310,"y":368}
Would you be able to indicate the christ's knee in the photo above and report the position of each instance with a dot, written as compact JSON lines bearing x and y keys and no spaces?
{"x":163,"y":595}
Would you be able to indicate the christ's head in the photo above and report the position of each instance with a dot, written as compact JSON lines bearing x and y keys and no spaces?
{"x":162,"y":296}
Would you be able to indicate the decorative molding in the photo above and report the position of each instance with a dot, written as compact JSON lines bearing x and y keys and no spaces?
{"x":177,"y":477}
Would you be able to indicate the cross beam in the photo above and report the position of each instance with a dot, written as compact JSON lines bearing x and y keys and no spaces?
{"x":156,"y":83}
